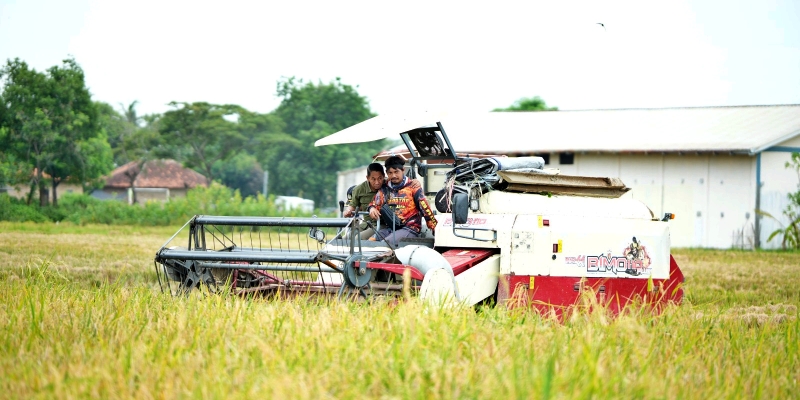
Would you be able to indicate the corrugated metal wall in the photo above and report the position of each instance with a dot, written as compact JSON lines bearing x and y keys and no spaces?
{"x":713,"y":195}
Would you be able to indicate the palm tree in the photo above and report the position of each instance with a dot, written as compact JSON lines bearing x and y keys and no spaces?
{"x":130,"y":113}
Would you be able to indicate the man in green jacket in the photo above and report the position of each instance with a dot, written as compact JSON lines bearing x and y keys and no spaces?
{"x":363,"y":194}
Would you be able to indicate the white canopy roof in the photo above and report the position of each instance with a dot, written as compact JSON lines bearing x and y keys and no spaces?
{"x":741,"y":129}
{"x":382,"y":127}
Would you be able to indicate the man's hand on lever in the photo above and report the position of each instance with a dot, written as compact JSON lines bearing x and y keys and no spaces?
{"x":375,"y":213}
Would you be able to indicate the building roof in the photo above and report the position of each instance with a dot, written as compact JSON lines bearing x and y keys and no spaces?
{"x":749,"y":129}
{"x":155,"y":174}
{"x":738,"y":129}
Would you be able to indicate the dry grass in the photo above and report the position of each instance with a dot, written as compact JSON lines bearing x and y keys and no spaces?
{"x":80,"y":318}
{"x":90,"y":255}
{"x":720,"y":279}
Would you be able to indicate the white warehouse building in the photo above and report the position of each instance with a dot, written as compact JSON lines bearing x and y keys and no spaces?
{"x":713,"y":167}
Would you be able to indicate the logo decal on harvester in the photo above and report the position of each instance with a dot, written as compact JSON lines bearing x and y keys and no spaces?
{"x":470,"y":221}
{"x":634,"y":261}
{"x":579,"y":261}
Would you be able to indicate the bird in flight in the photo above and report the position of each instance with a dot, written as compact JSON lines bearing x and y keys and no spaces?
{"x":601,"y":24}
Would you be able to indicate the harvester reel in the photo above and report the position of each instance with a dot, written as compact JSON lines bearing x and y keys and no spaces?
{"x":268,"y":254}
{"x":196,"y":277}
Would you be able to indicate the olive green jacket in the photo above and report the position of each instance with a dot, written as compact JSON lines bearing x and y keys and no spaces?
{"x":362,"y":196}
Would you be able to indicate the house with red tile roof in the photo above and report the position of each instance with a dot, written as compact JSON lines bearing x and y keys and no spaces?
{"x":138,"y":182}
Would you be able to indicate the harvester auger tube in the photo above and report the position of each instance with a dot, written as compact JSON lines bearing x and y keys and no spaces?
{"x":439,"y":283}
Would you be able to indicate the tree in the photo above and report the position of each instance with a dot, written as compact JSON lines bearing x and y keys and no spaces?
{"x":95,"y":159}
{"x":129,"y":140}
{"x":242,"y":173}
{"x":265,"y":133}
{"x":129,"y":113}
{"x":115,"y":127}
{"x":8,"y":165}
{"x":207,"y":132}
{"x":334,"y":103}
{"x":46,"y":118}
{"x":83,"y":163}
{"x":311,"y":112}
{"x":26,"y":129}
{"x":528,"y":104}
{"x":7,"y":160}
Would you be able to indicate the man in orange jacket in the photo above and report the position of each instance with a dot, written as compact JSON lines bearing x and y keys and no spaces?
{"x":406,"y":203}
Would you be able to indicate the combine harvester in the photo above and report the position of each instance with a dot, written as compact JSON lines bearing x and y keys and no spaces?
{"x":509,"y":230}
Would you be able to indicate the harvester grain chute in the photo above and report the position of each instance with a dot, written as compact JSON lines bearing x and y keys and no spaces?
{"x":510,"y":231}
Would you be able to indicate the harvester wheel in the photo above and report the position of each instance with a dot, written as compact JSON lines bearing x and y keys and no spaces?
{"x":357,"y":277}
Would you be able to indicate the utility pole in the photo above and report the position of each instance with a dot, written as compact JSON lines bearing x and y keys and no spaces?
{"x":266,"y":180}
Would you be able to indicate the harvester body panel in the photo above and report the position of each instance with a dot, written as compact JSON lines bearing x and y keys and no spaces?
{"x":480,"y":281}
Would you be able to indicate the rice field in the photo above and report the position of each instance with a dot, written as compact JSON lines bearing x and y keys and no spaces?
{"x":81,"y":316}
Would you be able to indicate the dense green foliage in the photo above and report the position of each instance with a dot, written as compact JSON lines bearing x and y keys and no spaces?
{"x":336,"y":104}
{"x":242,"y":172}
{"x":528,"y":104}
{"x":83,"y":209}
{"x":15,"y":210}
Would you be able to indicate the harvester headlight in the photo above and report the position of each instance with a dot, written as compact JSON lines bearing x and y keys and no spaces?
{"x":474,"y":204}
{"x":316,"y":234}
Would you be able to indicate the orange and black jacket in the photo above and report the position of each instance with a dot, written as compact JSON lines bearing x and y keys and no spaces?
{"x":409,"y":202}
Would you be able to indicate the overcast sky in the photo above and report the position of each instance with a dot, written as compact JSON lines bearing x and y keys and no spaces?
{"x":419,"y":54}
